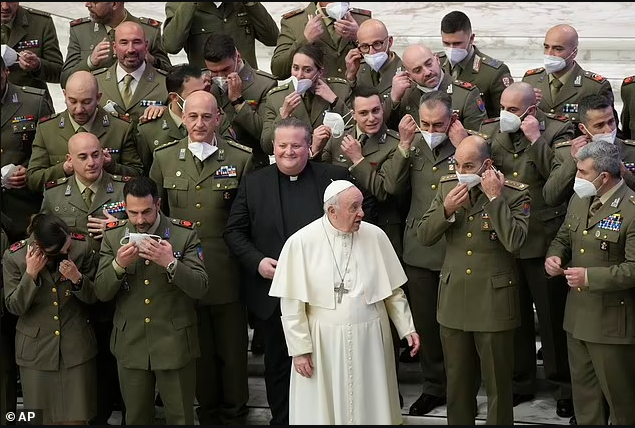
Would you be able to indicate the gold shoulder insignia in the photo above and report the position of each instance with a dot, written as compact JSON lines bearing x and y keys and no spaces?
{"x":47,"y":118}
{"x":239,"y":146}
{"x":633,"y":199}
{"x":183,"y":223}
{"x":629,"y":142}
{"x":534,"y":71}
{"x":628,"y":80}
{"x":464,"y":85}
{"x":278,"y":88}
{"x":121,"y":178}
{"x":447,"y":178}
{"x":115,"y":224}
{"x":79,"y":21}
{"x":562,"y":144}
{"x":16,"y":246}
{"x":359,"y":11}
{"x":515,"y":185}
{"x":478,"y":134}
{"x":168,"y":144}
{"x":336,"y":80}
{"x":292,"y":13}
{"x":150,"y":21}
{"x":492,"y":62}
{"x":594,"y":76}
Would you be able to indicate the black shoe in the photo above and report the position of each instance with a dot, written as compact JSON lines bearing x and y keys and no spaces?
{"x":425,"y":404}
{"x":564,"y":408}
{"x":573,"y":420}
{"x":539,"y":354}
{"x":257,"y":345}
{"x":405,"y":357}
{"x":521,"y":398}
{"x":158,"y":401}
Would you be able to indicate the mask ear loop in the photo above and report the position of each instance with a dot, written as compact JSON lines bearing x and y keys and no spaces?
{"x":350,"y":113}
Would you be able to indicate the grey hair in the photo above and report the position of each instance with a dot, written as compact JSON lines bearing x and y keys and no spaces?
{"x":333,"y":201}
{"x":606,"y":157}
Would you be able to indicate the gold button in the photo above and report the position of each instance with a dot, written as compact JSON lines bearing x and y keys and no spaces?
{"x":56,"y":318}
{"x":552,"y":110}
{"x":581,"y":250}
{"x":198,"y":187}
{"x":585,"y":233}
{"x":469,"y":234}
{"x":621,"y":302}
{"x":604,"y":237}
{"x":434,"y":186}
{"x":198,"y":223}
{"x":198,"y":206}
{"x":147,"y":320}
{"x":54,"y":290}
{"x":515,"y":174}
{"x":90,"y":234}
{"x":57,"y":332}
{"x":470,"y":218}
{"x":434,"y":168}
{"x":54,"y":303}
{"x":469,"y":252}
{"x":469,"y":271}
{"x":174,"y":186}
{"x":1,"y":150}
{"x":339,"y":70}
{"x":579,"y":289}
{"x":146,"y":282}
{"x":568,"y":225}
{"x":515,"y":155}
{"x":146,"y":301}
{"x":147,"y":262}
{"x":510,"y":283}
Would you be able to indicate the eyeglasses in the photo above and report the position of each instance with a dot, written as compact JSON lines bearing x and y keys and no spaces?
{"x":378,"y":45}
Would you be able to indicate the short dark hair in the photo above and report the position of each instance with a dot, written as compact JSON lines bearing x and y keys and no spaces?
{"x":592,"y":102}
{"x":141,"y":187}
{"x":456,"y":21}
{"x":180,"y":74}
{"x":313,"y":51}
{"x":48,"y":230}
{"x":432,"y":99}
{"x":363,"y":91}
{"x":294,"y":122}
{"x":219,"y":47}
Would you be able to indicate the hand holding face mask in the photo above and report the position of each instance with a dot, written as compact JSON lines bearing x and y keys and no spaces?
{"x":137,"y":237}
{"x":336,"y":122}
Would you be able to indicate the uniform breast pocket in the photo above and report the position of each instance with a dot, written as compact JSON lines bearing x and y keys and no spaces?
{"x":27,"y":344}
{"x":417,"y":163}
{"x":607,"y":242}
{"x":226,"y":190}
{"x":70,"y":221}
{"x":572,"y":222}
{"x":176,"y":189}
{"x":617,"y":318}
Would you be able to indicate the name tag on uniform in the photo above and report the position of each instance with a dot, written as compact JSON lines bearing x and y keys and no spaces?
{"x":226,"y":171}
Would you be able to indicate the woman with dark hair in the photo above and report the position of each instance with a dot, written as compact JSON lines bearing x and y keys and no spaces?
{"x":307,"y":96}
{"x":48,"y":279}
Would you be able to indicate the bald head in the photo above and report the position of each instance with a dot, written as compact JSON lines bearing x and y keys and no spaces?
{"x":82,"y":81}
{"x":373,"y":31}
{"x":519,"y":96}
{"x":564,"y":32}
{"x":201,"y":116}
{"x":86,"y":156}
{"x":131,"y":45}
{"x":82,"y":96}
{"x":422,"y":65}
{"x":415,"y":52}
{"x":473,"y":155}
{"x":80,"y":140}
{"x":562,"y":41}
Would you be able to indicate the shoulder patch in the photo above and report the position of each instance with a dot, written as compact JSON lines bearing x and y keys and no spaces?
{"x":115,"y":224}
{"x":464,"y":85}
{"x":183,"y":223}
{"x":150,"y":21}
{"x":447,"y":178}
{"x":239,"y":146}
{"x":34,"y":91}
{"x":292,"y":13}
{"x":628,"y":80}
{"x":55,"y":183}
{"x":336,"y":80}
{"x":47,"y":118}
{"x":38,"y":12}
{"x":562,"y":144}
{"x":121,"y":178}
{"x":595,"y":77}
{"x":278,"y":88}
{"x":491,"y":120}
{"x":79,"y":21}
{"x":78,"y":236}
{"x":629,"y":142}
{"x":534,"y":71}
{"x":359,"y":11}
{"x":515,"y":185}
{"x":16,"y":246}
{"x":168,"y":144}
{"x":492,"y":62}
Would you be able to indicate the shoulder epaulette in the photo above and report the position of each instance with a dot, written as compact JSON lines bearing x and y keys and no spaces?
{"x":558,"y":117}
{"x":183,"y":223}
{"x":49,"y":117}
{"x":150,"y":21}
{"x":447,"y":178}
{"x":336,"y":80}
{"x":16,"y":246}
{"x":364,"y":12}
{"x":440,"y":54}
{"x":78,"y":236}
{"x":55,"y":183}
{"x":628,"y":80}
{"x":115,"y":224}
{"x":478,"y":134}
{"x":168,"y":144}
{"x":292,"y":13}
{"x":34,"y":91}
{"x":124,"y":117}
{"x":161,"y":71}
{"x":79,"y":21}
{"x":492,"y":62}
{"x":515,"y":184}
{"x":464,"y":85}
{"x":629,"y":142}
{"x":264,"y":73}
{"x":121,"y":178}
{"x":239,"y":146}
{"x":633,"y":199}
{"x":562,"y":144}
{"x":37,"y":12}
{"x":534,"y":71}
{"x":278,"y":88}
{"x":99,"y":71}
{"x":392,"y":133}
{"x":594,"y":76}
{"x":491,"y":120}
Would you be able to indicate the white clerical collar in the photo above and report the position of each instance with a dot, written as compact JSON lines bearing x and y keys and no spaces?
{"x":332,"y":230}
{"x":202,"y":150}
{"x":121,"y":73}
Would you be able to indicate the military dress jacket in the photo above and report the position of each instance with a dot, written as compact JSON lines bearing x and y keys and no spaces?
{"x":478,"y":288}
{"x":85,"y":34}
{"x":366,"y":76}
{"x":188,"y":25}
{"x":51,"y":146}
{"x":604,"y":244}
{"x":627,"y":91}
{"x":205,"y":199}
{"x":53,"y":330}
{"x":515,"y":156}
{"x":291,"y":37}
{"x":155,"y":316}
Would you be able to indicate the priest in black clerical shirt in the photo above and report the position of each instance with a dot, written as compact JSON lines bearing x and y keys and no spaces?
{"x":272,"y":204}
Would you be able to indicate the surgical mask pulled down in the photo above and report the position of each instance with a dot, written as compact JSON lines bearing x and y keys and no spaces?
{"x":471,"y":180}
{"x":607,"y":138}
{"x":336,"y":122}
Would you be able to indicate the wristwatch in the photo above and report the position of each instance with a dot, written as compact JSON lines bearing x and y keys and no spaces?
{"x":171,"y":267}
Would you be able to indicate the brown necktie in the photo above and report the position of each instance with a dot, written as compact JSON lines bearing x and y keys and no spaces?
{"x":595,"y":206}
{"x":455,"y":72}
{"x":6,"y":32}
{"x":199,"y":165}
{"x":556,"y":84}
{"x":87,"y":196}
{"x":126,"y":91}
{"x":362,"y":139}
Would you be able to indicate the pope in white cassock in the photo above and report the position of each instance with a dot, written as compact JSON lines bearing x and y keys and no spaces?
{"x":339,"y":280}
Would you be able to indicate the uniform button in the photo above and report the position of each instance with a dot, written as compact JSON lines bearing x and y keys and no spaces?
{"x":434,"y":186}
{"x":147,"y":262}
{"x":621,"y":302}
{"x":57,"y":332}
{"x":198,"y":223}
{"x":146,"y":301}
{"x":54,"y":290}
{"x":579,"y":289}
{"x":1,"y":150}
{"x":146,"y":282}
{"x":339,"y":70}
{"x":510,"y":283}
{"x":174,"y":186}
{"x":470,"y":218}
{"x":469,"y":234}
{"x":468,"y":271}
{"x":515,"y":155}
{"x":147,"y":320}
{"x":434,"y":168}
{"x":585,"y":233}
{"x":198,"y":187}
{"x":198,"y":206}
{"x":552,"y":110}
{"x":581,"y":250}
{"x":515,"y":174}
{"x":225,"y":20}
{"x":54,"y":303}
{"x":90,"y":234}
{"x":56,"y":318}
{"x":469,"y":252}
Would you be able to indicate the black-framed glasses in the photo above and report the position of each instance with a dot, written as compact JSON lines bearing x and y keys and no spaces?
{"x":378,"y":45}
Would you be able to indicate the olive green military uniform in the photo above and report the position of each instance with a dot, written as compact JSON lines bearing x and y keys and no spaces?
{"x":205,"y":198}
{"x":150,"y":91}
{"x":55,"y":343}
{"x":599,"y":317}
{"x":417,"y":173}
{"x":247,"y":122}
{"x":188,"y":25}
{"x":85,"y":34}
{"x":155,"y":335}
{"x":515,"y":156}
{"x":559,"y":187}
{"x":33,"y":30}
{"x":381,"y":80}
{"x":478,"y":295}
{"x":291,"y":37}
{"x":466,"y":103}
{"x":8,"y":378}
{"x":310,"y":110}
{"x":51,"y":146}
{"x":576,"y":86}
{"x":22,"y":108}
{"x":628,"y":108}
{"x":490,"y":75}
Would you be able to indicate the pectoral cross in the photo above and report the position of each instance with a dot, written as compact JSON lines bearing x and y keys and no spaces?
{"x":340,"y":291}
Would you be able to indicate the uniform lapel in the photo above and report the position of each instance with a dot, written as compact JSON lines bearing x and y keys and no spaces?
{"x":102,"y":196}
{"x":480,"y":201}
{"x":318,"y":107}
{"x":247,"y":75}
{"x":75,"y":198}
{"x":66,"y":131}
{"x":173,"y":129}
{"x":505,"y":141}
{"x":388,"y":72}
{"x":607,"y":208}
{"x":99,"y":128}
{"x":18,"y":30}
{"x":372,"y":142}
{"x":111,"y":90}
{"x":9,"y":108}
{"x":146,"y":85}
{"x":211,"y":164}
{"x":568,"y":90}
{"x":446,"y":150}
{"x":188,"y":165}
{"x":420,"y":144}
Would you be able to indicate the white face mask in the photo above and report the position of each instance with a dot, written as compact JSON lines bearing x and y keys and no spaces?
{"x":336,"y":123}
{"x":585,"y":188}
{"x":337,"y":10}
{"x":203,"y":150}
{"x":218,"y":3}
{"x":509,"y":122}
{"x":433,"y":139}
{"x":470,"y":180}
{"x":302,"y":85}
{"x":221,"y":82}
{"x":376,"y":61}
{"x":9,"y":55}
{"x":554,"y":64}
{"x":455,"y":55}
{"x":425,"y":89}
{"x":609,"y":138}
{"x":137,"y":237}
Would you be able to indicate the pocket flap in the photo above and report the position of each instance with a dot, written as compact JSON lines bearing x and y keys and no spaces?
{"x":70,"y":221}
{"x":120,"y":323}
{"x":226,"y":184}
{"x":417,"y":163}
{"x":572,"y":223}
{"x":503,"y":280}
{"x":616,"y":301}
{"x":175,"y":183}
{"x":182,"y":322}
{"x":607,"y":235}
{"x":552,"y":212}
{"x":28,"y":330}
